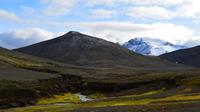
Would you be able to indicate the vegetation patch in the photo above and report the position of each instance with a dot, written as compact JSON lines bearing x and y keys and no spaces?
{"x":121,"y":101}
{"x":64,"y":107}
{"x":20,"y":62}
{"x":187,"y":97}
{"x":14,"y":93}
{"x":97,"y":96}
{"x":63,"y":98}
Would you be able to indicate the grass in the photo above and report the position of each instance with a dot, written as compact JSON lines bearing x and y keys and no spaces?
{"x":121,"y":101}
{"x":57,"y":108}
{"x":28,"y":93}
{"x":194,"y":81}
{"x":72,"y":102}
{"x":144,"y":94}
{"x":63,"y":98}
{"x":153,"y":92}
{"x":97,"y":96}
{"x":190,"y":97}
{"x":19,"y":61}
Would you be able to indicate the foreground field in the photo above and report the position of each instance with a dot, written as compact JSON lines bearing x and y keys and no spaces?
{"x":152,"y":101}
{"x":39,"y":85}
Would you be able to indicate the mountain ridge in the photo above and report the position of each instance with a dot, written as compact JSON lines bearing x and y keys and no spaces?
{"x":184,"y":56}
{"x":151,"y":46}
{"x":83,"y":50}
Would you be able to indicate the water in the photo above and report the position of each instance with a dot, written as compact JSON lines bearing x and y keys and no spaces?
{"x":83,"y":98}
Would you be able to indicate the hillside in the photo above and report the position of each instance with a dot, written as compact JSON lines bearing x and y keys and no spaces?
{"x":185,"y":56}
{"x":14,"y":66}
{"x":51,"y":86}
{"x":19,"y":79}
{"x":83,"y":50}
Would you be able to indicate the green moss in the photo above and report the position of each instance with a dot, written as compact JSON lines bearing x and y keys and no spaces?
{"x":56,"y":108}
{"x":193,"y":82}
{"x":65,"y":98}
{"x":145,"y":94}
{"x":182,"y":98}
{"x":97,"y":96}
{"x":19,"y":62}
{"x":153,"y":92}
{"x":107,"y":103}
{"x":122,"y":101}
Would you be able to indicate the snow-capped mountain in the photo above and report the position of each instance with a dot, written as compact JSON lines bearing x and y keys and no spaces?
{"x":150,"y":46}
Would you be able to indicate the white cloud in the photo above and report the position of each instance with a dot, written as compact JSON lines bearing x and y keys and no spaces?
{"x":102,"y":14}
{"x":24,"y":37}
{"x":193,"y":41}
{"x":156,"y":2}
{"x":28,"y":11}
{"x":112,"y":31}
{"x":58,"y":7}
{"x":149,"y":12}
{"x":163,"y":9}
{"x":121,"y":32}
{"x":190,"y":9}
{"x":136,"y":2}
{"x":5,"y":15}
{"x":100,"y":2}
{"x":38,"y":33}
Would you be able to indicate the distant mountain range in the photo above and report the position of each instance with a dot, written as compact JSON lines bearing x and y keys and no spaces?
{"x":151,"y":46}
{"x":79,"y":49}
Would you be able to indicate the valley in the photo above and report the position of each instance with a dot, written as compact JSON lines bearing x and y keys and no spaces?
{"x":99,"y":56}
{"x":114,"y":79}
{"x":162,"y":100}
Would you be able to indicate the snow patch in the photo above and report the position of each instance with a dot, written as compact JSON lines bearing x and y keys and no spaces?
{"x":151,"y":46}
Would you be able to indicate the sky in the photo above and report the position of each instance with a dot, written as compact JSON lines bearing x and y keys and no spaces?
{"x":25,"y":22}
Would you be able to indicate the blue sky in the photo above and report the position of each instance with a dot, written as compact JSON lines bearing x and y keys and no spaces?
{"x":24,"y":22}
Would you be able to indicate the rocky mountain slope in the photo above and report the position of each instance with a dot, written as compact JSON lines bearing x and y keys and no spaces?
{"x":150,"y":46}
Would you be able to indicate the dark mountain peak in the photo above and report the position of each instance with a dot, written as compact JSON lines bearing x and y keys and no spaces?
{"x":74,"y":36}
{"x":136,"y":41}
{"x":73,"y":33}
{"x":169,"y":44}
